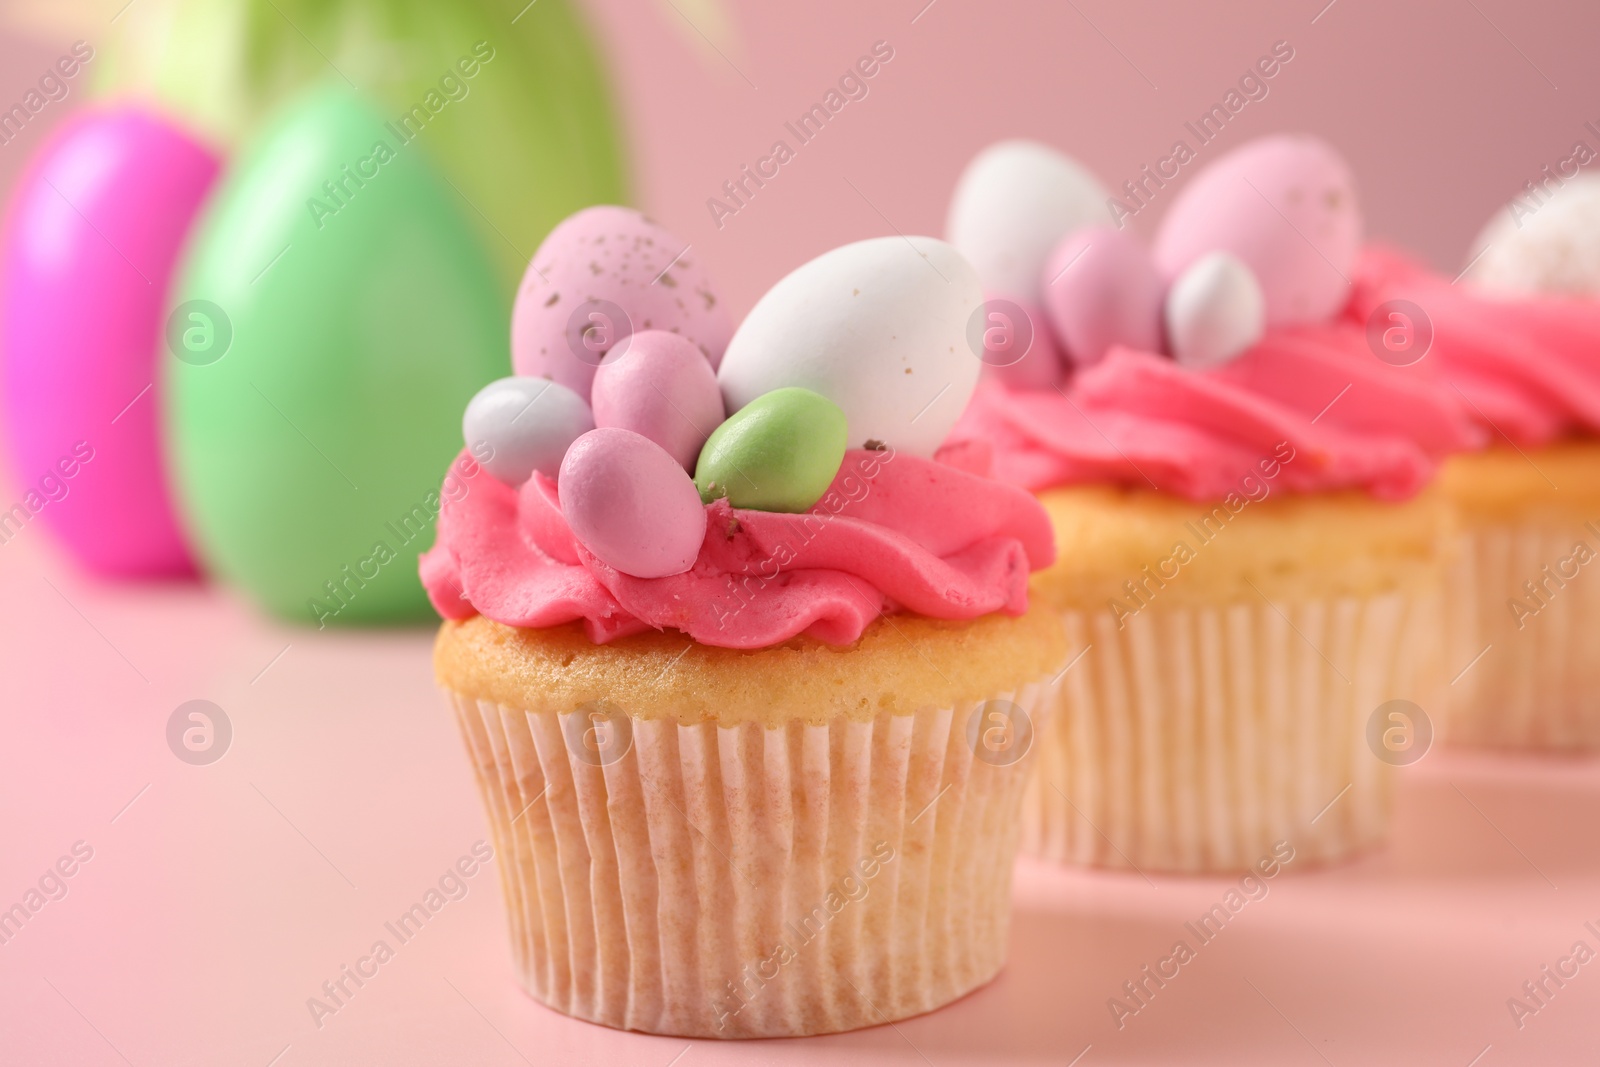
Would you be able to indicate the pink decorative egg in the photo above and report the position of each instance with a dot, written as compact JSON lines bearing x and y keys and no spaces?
{"x":599,"y":276}
{"x":1101,"y":288}
{"x":1019,"y":345}
{"x":631,"y":504}
{"x":661,"y":386}
{"x":1285,"y":206}
{"x":91,"y":238}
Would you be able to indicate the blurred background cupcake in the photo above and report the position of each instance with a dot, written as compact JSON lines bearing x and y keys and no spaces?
{"x":748,"y":679}
{"x":1519,"y":340}
{"x":1249,"y":555}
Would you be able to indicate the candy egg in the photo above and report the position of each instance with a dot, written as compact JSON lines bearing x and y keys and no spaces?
{"x":307,"y":455}
{"x":879,"y":327}
{"x":779,"y":452}
{"x":599,"y":276}
{"x":516,"y":426}
{"x":1102,"y":289}
{"x":1017,"y":343}
{"x":631,"y":504}
{"x":1286,"y":206}
{"x":659,"y":384}
{"x":1214,"y":311}
{"x":1013,"y":203}
{"x":1551,"y":246}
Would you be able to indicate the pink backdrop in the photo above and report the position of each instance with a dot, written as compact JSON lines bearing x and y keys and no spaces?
{"x":220,"y":897}
{"x":1442,"y":117}
{"x":1444,"y":107}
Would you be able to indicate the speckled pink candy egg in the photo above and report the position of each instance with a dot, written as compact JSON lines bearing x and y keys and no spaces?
{"x":631,"y":504}
{"x":1286,"y":206}
{"x":602,"y":274}
{"x":660,"y":386}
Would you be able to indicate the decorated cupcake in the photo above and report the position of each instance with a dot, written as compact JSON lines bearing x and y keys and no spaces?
{"x":1248,"y":553}
{"x":748,"y":679}
{"x":1519,"y":341}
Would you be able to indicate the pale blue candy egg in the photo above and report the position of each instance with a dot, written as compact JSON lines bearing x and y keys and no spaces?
{"x":516,"y":426}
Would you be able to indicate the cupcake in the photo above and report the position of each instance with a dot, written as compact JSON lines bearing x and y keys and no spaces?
{"x":1519,"y":340}
{"x":1249,"y":547}
{"x":748,"y":679}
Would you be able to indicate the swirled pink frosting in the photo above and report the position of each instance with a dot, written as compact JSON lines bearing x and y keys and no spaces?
{"x":1526,"y":368}
{"x":893,"y":532}
{"x":1312,"y":404}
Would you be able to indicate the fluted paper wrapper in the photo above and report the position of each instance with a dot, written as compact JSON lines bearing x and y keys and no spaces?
{"x":1529,"y":679}
{"x":749,"y":881}
{"x":1193,"y":739}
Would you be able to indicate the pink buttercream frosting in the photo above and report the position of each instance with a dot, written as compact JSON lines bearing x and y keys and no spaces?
{"x":1311,"y":403}
{"x":893,"y":532}
{"x":1527,"y":368}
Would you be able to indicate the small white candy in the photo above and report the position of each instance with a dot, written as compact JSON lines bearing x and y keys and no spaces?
{"x":1214,"y":311}
{"x":1551,"y":246}
{"x":1013,"y":204}
{"x":527,"y":425}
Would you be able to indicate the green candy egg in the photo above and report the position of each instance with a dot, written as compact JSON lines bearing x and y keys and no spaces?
{"x":779,"y":452}
{"x":309,"y":439}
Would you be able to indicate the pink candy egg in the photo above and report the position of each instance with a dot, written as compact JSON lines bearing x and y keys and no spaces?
{"x":92,"y":236}
{"x":1019,"y":345}
{"x":1101,"y":288}
{"x":631,"y":504}
{"x":661,"y":386}
{"x":1286,"y":206}
{"x":599,"y":276}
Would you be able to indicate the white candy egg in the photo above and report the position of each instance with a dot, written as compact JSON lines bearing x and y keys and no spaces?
{"x":1013,"y":203}
{"x":879,"y":327}
{"x":1548,"y":246}
{"x":1214,"y":311}
{"x":524,"y":425}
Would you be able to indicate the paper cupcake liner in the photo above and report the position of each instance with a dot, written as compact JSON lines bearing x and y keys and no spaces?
{"x":1195,"y":738}
{"x":1529,"y":679}
{"x":749,"y":881}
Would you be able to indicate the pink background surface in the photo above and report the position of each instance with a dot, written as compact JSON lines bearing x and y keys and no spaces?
{"x":221,"y":897}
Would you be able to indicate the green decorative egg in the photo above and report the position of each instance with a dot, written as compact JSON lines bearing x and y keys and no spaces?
{"x":338,"y":314}
{"x":507,"y":98}
{"x":779,"y":452}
